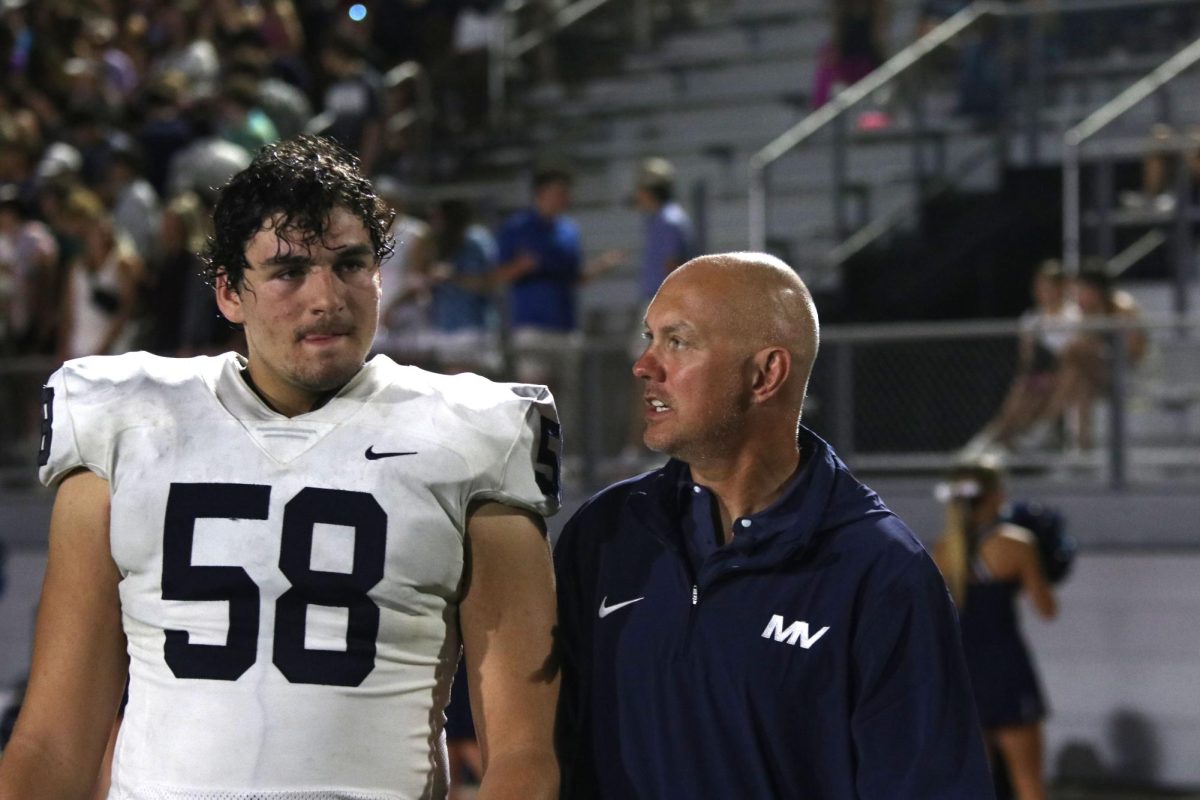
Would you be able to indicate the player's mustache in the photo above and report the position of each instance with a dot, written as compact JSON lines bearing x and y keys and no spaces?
{"x":325,"y":328}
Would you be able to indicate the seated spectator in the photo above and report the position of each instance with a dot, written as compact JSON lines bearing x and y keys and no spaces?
{"x":165,"y":130}
{"x":1046,"y":330}
{"x":286,"y":105}
{"x":1085,"y":372}
{"x":464,"y":329}
{"x":102,"y":283}
{"x":1160,"y":167}
{"x":350,"y":113}
{"x":408,"y":132}
{"x":403,"y":274}
{"x":28,"y":263}
{"x":241,"y":120}
{"x":182,"y":317}
{"x":28,"y":267}
{"x":857,"y":47}
{"x":206,"y":163}
{"x":20,"y":142}
{"x":182,"y":47}
{"x":119,"y":71}
{"x":133,"y":200}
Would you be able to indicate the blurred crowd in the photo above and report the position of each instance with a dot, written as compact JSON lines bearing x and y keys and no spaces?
{"x":118,"y":119}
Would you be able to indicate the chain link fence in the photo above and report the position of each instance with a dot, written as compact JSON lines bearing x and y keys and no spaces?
{"x":908,"y":399}
{"x":902,"y":399}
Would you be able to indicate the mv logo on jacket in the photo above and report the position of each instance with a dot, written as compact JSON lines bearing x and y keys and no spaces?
{"x":796,"y":633}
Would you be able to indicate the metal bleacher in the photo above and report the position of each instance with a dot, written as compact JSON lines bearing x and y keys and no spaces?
{"x":731,"y":90}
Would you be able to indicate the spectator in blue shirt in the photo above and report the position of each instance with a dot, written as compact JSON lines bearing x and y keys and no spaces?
{"x":750,"y":621}
{"x":541,"y":256}
{"x":669,"y":238}
{"x":463,"y":319}
{"x":668,"y":241}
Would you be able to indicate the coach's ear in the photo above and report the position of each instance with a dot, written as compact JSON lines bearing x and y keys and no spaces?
{"x":229,"y":299}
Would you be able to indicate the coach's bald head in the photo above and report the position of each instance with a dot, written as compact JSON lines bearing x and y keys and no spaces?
{"x":759,"y":303}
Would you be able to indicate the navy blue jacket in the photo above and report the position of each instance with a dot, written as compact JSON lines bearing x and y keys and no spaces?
{"x":819,"y":659}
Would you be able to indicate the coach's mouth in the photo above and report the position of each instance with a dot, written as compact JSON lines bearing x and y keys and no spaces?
{"x":656,"y":407}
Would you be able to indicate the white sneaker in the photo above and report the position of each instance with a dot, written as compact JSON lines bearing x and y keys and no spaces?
{"x":1164,"y":203}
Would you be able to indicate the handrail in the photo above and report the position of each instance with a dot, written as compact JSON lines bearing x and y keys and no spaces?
{"x":1147,"y":244}
{"x":822,"y":118}
{"x":1126,"y":100}
{"x":891,"y":332}
{"x":819,"y":119}
{"x":808,"y":127}
{"x":507,"y":46}
{"x":943,"y":33}
{"x":563,"y":19}
{"x":1076,"y":137}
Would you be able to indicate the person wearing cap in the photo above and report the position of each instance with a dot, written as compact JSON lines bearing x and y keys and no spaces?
{"x":669,"y":237}
{"x":668,"y":241}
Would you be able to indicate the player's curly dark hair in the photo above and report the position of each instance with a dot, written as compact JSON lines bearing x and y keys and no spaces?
{"x":302,"y":179}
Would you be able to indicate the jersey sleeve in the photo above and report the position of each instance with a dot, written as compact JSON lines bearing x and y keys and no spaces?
{"x":527,"y":471}
{"x":62,"y":450}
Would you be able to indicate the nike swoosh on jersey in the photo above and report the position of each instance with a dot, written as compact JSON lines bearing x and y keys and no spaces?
{"x":373,"y":456}
{"x":605,"y":610}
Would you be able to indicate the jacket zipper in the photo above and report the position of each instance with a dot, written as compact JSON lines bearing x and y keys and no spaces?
{"x":695,"y":594}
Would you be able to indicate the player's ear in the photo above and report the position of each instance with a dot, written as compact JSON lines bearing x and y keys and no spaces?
{"x":229,"y":299}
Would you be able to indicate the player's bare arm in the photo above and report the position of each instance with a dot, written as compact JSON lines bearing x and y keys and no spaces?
{"x":79,"y":660}
{"x":507,"y":617}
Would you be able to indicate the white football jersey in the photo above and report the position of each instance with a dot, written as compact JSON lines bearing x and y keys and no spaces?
{"x":290,"y":587}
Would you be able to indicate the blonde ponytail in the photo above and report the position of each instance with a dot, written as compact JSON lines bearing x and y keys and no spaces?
{"x":967,"y":487}
{"x":956,"y":550}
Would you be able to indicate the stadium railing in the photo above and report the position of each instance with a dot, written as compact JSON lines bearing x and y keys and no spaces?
{"x":892,"y":398}
{"x":1084,"y":149}
{"x":1041,"y":82}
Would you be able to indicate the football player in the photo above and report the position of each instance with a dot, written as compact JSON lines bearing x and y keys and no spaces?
{"x":285,"y":553}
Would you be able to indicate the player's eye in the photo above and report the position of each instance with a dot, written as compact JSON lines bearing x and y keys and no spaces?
{"x":290,"y":273}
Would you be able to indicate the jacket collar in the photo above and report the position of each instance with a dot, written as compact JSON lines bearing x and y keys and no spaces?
{"x":783,"y":530}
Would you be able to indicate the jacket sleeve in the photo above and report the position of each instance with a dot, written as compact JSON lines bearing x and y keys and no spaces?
{"x":573,"y":733}
{"x":916,"y":732}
